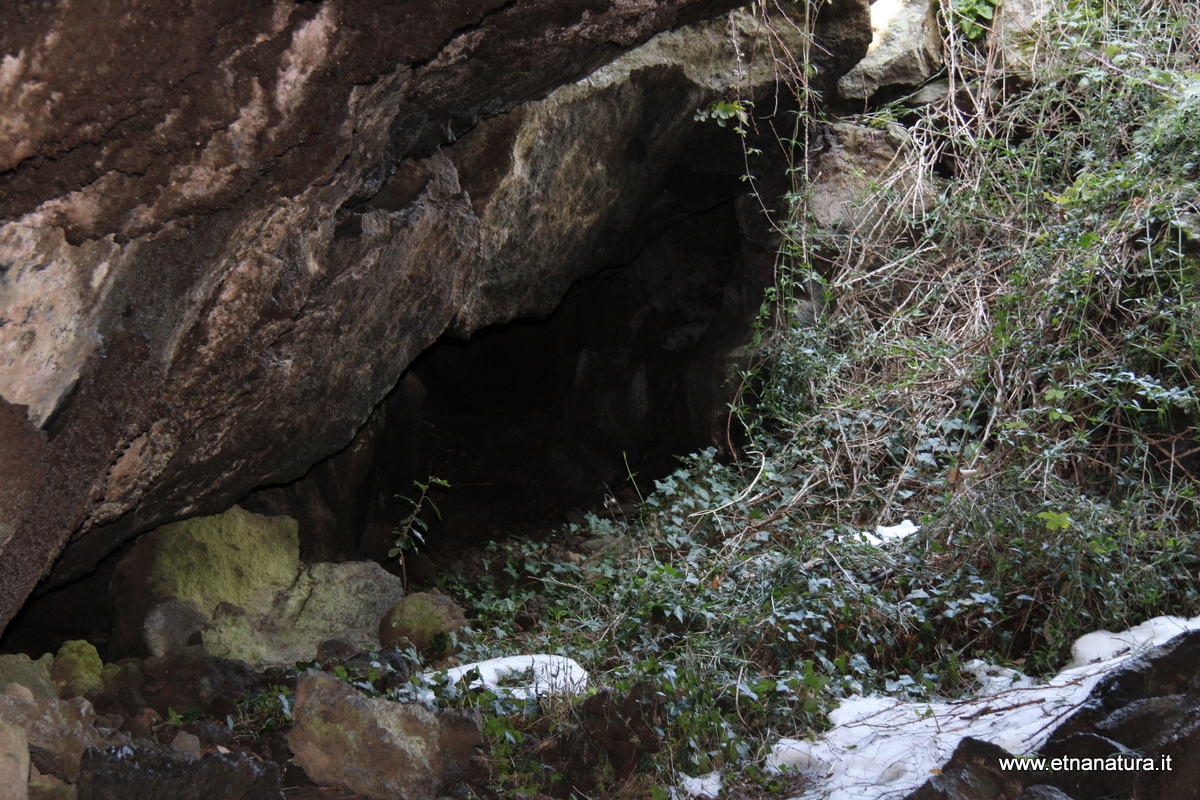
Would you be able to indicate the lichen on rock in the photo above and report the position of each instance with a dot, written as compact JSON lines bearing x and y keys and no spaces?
{"x":345,"y":600}
{"x":235,"y":557}
{"x":77,"y":669}
{"x":419,"y":620}
{"x":33,"y":675}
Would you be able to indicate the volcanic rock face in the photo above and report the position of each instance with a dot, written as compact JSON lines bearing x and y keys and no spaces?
{"x":226,"y":228}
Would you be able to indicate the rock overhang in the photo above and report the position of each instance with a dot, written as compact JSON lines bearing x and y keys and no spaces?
{"x":198,"y":297}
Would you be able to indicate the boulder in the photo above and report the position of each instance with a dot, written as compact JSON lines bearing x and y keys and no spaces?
{"x":14,"y":762}
{"x":33,"y":675}
{"x":973,"y":773}
{"x":173,"y":625}
{"x":77,"y":669}
{"x":1018,"y":33}
{"x":418,"y":619}
{"x":906,"y":49}
{"x":326,"y":600}
{"x":234,"y":583}
{"x":849,"y":163}
{"x":235,"y":557}
{"x":191,"y":678}
{"x":137,"y":771}
{"x":384,"y":750}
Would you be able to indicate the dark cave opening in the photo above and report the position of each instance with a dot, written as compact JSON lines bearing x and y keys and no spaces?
{"x":534,"y":422}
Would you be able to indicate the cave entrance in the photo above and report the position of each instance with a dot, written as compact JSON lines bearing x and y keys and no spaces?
{"x":536,"y":422}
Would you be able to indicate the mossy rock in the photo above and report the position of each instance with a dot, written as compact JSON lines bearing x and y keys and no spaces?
{"x":421,"y":620}
{"x":77,"y":669}
{"x":327,"y":600}
{"x":236,"y":557}
{"x":33,"y":675}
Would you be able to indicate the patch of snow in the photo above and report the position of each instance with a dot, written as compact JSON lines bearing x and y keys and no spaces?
{"x":881,"y":748}
{"x":705,"y":787}
{"x":550,"y":675}
{"x":1105,"y":645}
{"x":890,"y":533}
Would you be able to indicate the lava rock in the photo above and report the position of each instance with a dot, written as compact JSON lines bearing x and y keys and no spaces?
{"x":1166,"y":670}
{"x":119,"y":773}
{"x":173,"y":625}
{"x":191,"y":678}
{"x":973,"y":773}
{"x":209,"y":733}
{"x":907,"y":49}
{"x":1138,"y":722}
{"x":847,"y":163}
{"x":57,"y":731}
{"x":254,"y":352}
{"x":14,"y":762}
{"x":336,"y":651}
{"x":418,"y":619}
{"x":326,"y":599}
{"x":379,"y":748}
{"x":1175,"y":753}
{"x":1092,"y":783}
{"x":33,"y":675}
{"x":77,"y":669}
{"x":175,"y":576}
{"x":186,"y":743}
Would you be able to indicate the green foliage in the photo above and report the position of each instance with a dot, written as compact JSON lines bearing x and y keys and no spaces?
{"x":974,"y":17}
{"x":723,"y":112}
{"x":410,"y":532}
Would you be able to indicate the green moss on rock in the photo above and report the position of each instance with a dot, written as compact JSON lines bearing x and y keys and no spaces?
{"x":420,"y":619}
{"x":33,"y":675}
{"x":77,"y":668}
{"x":236,"y":557}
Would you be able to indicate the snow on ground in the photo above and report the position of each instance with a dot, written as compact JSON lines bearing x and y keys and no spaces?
{"x":540,"y":674}
{"x":886,"y":534}
{"x":882,"y":749}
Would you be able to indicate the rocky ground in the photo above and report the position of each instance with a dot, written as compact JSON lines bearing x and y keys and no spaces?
{"x":189,"y":724}
{"x":302,"y":691}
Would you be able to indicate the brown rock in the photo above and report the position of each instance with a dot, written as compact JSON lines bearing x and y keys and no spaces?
{"x":14,"y":762}
{"x":418,"y":620}
{"x":192,"y":678}
{"x":57,"y":732}
{"x":385,"y":750}
{"x":22,"y":471}
{"x":849,"y":160}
